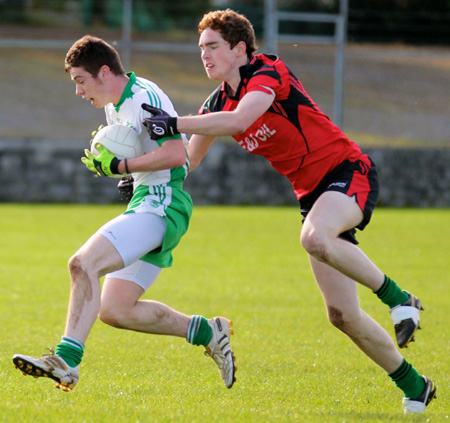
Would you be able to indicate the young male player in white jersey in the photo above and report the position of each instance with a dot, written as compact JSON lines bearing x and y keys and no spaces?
{"x":131,"y":249}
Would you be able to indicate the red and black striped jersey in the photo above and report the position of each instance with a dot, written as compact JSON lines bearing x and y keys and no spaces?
{"x":294,"y":135}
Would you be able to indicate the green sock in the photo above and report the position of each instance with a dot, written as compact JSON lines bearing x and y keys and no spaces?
{"x":390,"y":293}
{"x":70,"y":350}
{"x":408,"y":380}
{"x":199,"y":331}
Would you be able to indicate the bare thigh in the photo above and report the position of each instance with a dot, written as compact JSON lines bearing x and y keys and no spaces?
{"x":332,"y":214}
{"x":120,"y":295}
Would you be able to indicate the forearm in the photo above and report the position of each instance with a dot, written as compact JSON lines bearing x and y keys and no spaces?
{"x":212,"y":124}
{"x":170,"y":155}
{"x":250,"y":108}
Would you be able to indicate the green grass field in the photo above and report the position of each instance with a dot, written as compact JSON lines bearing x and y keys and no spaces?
{"x":246,"y":264}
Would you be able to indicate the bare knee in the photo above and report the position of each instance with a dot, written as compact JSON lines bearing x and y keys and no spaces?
{"x":335,"y":316}
{"x":80,"y":274}
{"x":76,"y":267}
{"x":112,"y":317}
{"x":118,"y":315}
{"x":316,"y":245}
{"x":343,"y":321}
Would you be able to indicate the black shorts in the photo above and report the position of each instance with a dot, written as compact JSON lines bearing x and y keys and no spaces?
{"x":357,"y":179}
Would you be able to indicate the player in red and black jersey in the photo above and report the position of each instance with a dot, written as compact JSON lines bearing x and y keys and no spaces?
{"x":293,"y":134}
{"x":265,"y":108}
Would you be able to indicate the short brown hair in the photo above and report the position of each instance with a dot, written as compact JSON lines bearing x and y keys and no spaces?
{"x":91,"y":53}
{"x":233,"y":26}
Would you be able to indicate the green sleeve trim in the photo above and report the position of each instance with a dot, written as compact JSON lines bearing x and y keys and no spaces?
{"x":172,"y":137}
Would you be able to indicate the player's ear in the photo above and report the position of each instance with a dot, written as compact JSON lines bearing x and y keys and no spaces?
{"x":104,"y":72}
{"x":241,"y":48}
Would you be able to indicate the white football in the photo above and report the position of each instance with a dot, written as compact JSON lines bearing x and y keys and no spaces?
{"x":121,"y":140}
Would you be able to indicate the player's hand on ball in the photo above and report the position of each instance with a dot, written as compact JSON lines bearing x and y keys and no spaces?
{"x":125,"y":187}
{"x":161,"y":124}
{"x":94,"y":133}
{"x":89,"y":161}
{"x":105,"y":164}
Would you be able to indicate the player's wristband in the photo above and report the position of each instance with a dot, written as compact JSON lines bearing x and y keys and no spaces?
{"x":114,"y":166}
{"x":126,"y":166}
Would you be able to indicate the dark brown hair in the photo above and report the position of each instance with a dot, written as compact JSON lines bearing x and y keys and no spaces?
{"x":91,"y":53}
{"x":233,"y":27}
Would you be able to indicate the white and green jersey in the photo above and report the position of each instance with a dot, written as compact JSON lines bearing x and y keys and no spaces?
{"x":129,"y":112}
{"x":159,"y":192}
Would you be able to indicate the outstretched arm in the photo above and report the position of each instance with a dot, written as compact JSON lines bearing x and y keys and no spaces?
{"x":250,"y":108}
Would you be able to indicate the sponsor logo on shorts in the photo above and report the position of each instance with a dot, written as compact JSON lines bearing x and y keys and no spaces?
{"x":155,"y":204}
{"x":338,"y":184}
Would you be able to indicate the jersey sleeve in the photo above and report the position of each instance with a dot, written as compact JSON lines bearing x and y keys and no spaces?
{"x":172,"y":137}
{"x":271,"y":79}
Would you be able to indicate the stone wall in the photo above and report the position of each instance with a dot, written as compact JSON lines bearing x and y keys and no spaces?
{"x":51,"y":171}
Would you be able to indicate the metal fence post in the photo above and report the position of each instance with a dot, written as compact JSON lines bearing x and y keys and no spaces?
{"x":341,"y":39}
{"x":271,"y":38}
{"x":126,"y":33}
{"x":270,"y":26}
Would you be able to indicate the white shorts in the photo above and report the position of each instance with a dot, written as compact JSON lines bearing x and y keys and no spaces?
{"x":134,"y":235}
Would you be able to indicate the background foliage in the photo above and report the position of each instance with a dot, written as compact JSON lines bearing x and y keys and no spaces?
{"x":407,"y":21}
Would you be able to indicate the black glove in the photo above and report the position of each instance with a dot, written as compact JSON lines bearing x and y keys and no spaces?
{"x":125,"y":187}
{"x":161,"y":124}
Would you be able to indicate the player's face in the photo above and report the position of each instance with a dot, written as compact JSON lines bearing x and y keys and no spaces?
{"x":219,"y":60}
{"x":90,"y":88}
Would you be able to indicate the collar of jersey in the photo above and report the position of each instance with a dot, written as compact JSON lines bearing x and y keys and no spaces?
{"x":127,"y":92}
